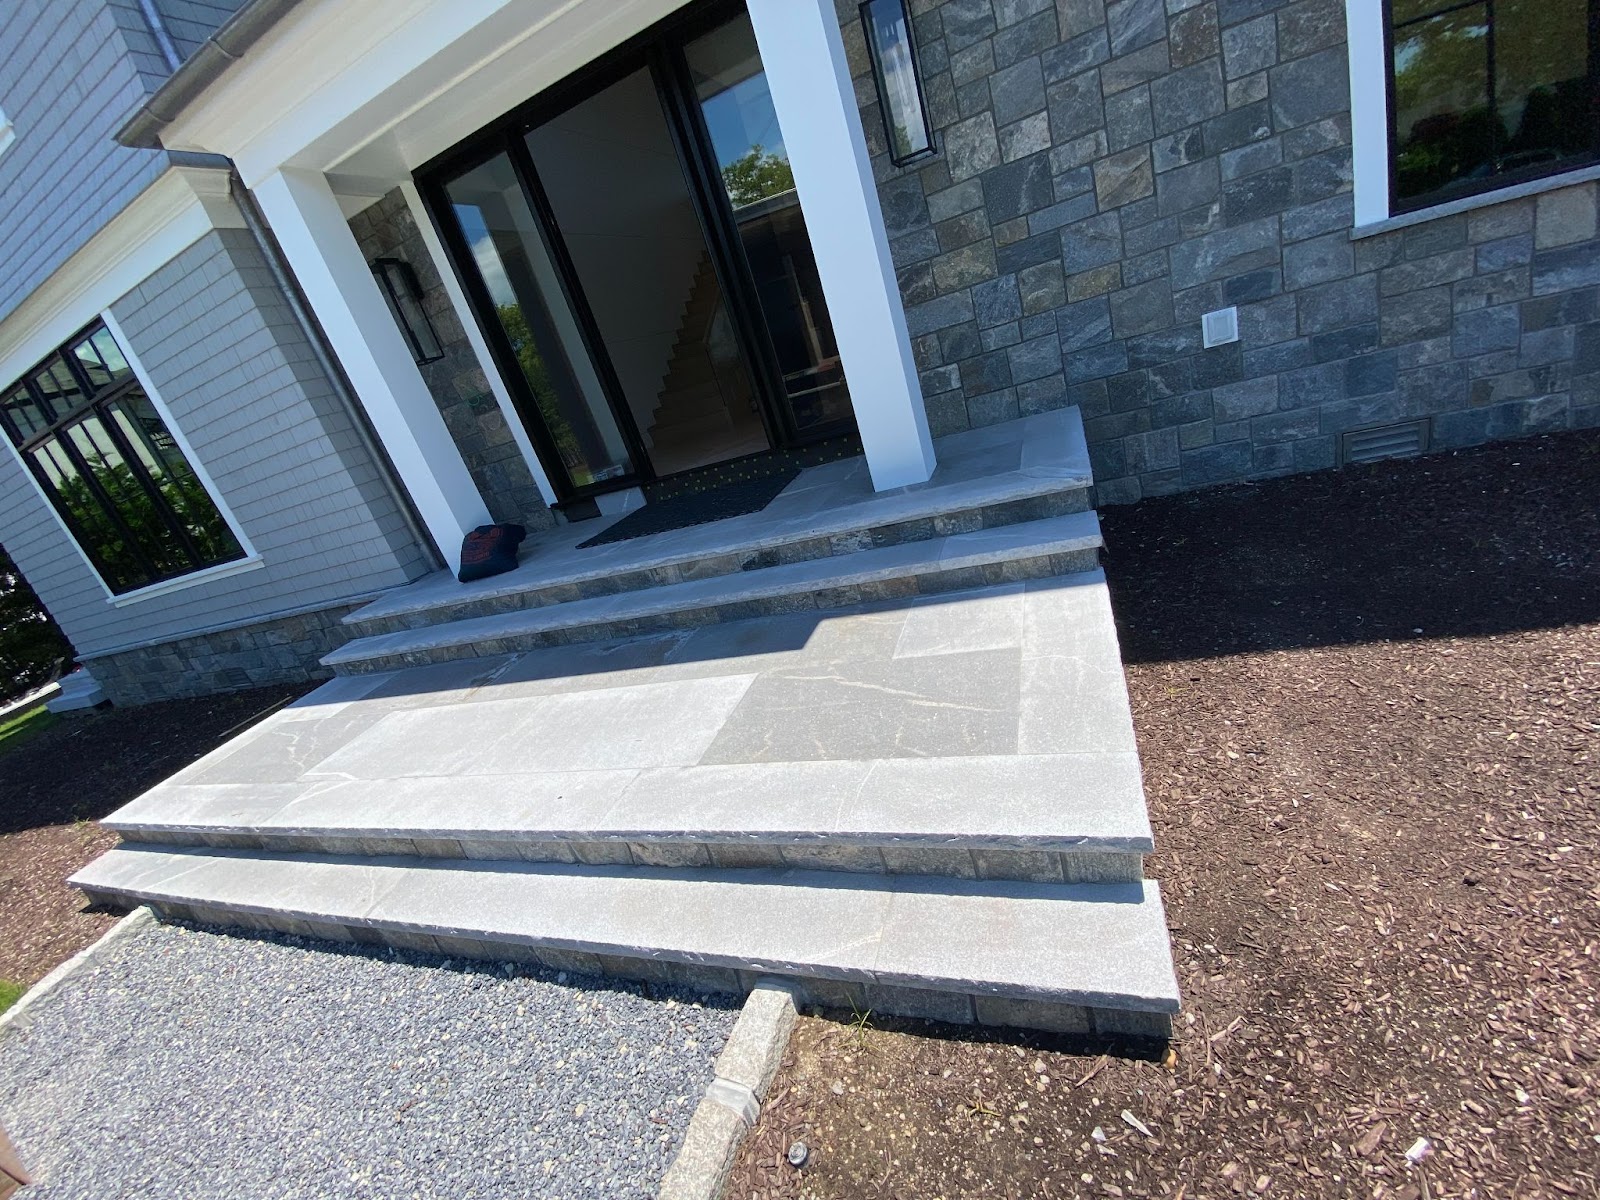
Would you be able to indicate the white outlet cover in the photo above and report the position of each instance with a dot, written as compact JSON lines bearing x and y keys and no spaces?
{"x":1220,"y":327}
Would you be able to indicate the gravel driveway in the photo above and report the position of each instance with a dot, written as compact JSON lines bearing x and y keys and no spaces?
{"x":187,"y":1064}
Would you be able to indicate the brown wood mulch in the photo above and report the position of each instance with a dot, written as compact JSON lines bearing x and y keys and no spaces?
{"x":55,"y":785}
{"x":1368,"y":705}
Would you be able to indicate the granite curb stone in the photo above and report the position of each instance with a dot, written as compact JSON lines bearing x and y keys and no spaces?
{"x":744,"y":1071}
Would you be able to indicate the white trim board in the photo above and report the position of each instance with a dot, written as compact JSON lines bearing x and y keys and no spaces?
{"x":1369,"y":109}
{"x":406,"y":79}
{"x":168,"y":217}
{"x":205,"y":575}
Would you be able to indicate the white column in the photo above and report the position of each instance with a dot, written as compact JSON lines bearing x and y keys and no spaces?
{"x":305,"y":215}
{"x":803,"y":54}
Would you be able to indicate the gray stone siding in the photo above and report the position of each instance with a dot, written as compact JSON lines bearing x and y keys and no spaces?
{"x":471,"y":413}
{"x":284,"y":650}
{"x":1109,"y":172}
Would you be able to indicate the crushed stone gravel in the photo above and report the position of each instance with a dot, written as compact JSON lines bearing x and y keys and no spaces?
{"x":189,"y":1064}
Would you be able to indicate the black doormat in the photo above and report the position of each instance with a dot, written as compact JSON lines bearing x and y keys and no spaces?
{"x":736,"y":470}
{"x":697,"y":508}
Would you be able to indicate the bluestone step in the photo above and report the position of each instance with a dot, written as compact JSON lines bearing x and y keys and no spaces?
{"x":1059,"y":545}
{"x":1078,"y":957}
{"x":1021,"y":471}
{"x":1078,"y":818}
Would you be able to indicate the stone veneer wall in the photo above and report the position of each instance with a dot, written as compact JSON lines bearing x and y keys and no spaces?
{"x":471,"y":413}
{"x":1109,"y":172}
{"x":283,"y":650}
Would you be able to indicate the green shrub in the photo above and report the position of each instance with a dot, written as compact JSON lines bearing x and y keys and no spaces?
{"x":10,"y":993}
{"x":30,"y":642}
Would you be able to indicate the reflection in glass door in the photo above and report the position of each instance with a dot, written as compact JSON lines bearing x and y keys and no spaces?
{"x":730,"y":87}
{"x":516,"y":270}
{"x":634,"y":242}
{"x":616,"y":189}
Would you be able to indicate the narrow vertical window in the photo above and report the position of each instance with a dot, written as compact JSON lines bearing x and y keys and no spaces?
{"x":1488,"y":93}
{"x":894,"y":67}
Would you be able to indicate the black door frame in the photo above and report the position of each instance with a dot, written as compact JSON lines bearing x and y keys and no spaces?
{"x":660,"y":51}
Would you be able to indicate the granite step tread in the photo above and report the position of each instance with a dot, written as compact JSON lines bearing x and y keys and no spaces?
{"x":1089,"y":803}
{"x":833,"y":501}
{"x":1102,"y":946}
{"x":798,"y":582}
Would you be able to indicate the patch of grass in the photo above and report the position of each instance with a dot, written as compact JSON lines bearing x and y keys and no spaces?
{"x":860,"y":1024}
{"x":16,"y":729}
{"x":10,"y":993}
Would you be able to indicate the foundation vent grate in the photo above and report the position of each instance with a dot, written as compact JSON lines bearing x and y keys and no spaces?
{"x":1387,"y":441}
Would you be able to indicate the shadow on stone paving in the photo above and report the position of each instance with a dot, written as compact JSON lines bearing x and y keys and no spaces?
{"x":650,"y":990}
{"x":1465,"y":544}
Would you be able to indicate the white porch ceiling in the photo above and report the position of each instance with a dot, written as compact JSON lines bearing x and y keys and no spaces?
{"x":370,"y":91}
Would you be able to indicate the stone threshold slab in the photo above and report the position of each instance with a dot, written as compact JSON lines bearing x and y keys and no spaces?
{"x":1090,"y":945}
{"x":1058,"y":802}
{"x":1053,"y":536}
{"x":1051,"y":456}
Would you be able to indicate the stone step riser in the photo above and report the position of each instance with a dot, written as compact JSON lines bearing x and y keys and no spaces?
{"x":816,"y":854}
{"x":991,"y":516}
{"x":958,"y":1007}
{"x":1015,"y":567}
{"x":1084,"y":945}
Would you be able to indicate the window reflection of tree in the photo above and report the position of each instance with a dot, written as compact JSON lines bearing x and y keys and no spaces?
{"x":1477,"y":97}
{"x":113,"y":469}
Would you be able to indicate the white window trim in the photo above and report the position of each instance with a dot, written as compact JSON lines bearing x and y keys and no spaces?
{"x":251,"y":560}
{"x":1369,"y":137}
{"x":205,"y":575}
{"x":8,"y":132}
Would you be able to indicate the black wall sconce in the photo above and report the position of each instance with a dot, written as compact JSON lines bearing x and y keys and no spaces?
{"x":398,"y":283}
{"x":894,"y":69}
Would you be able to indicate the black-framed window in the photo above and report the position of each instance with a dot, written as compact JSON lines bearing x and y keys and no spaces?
{"x":887,"y":26}
{"x":106,"y":459}
{"x":1487,"y":93}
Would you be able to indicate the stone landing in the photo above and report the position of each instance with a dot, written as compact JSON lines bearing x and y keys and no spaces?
{"x":927,"y":804}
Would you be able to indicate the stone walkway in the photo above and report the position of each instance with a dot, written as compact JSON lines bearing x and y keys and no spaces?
{"x":856,"y":798}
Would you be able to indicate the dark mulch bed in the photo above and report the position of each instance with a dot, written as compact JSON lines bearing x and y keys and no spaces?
{"x":1378,"y":858}
{"x":54,"y":786}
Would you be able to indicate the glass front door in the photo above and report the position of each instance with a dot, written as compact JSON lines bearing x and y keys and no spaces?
{"x":636,"y":249}
{"x":627,"y":217}
{"x":730,"y":88}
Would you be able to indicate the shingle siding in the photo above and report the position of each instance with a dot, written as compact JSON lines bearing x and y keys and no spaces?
{"x":71,"y":71}
{"x":191,"y":22}
{"x":1109,"y":173}
{"x":223,"y":351}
